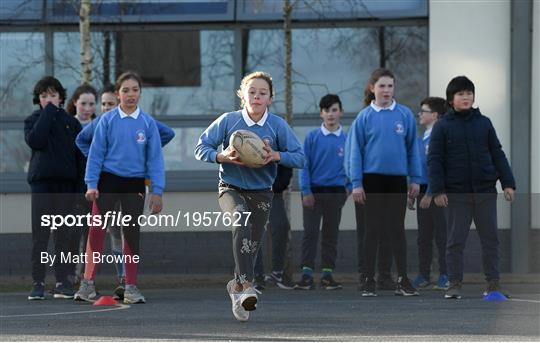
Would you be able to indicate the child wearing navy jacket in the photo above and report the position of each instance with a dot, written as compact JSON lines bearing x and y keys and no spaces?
{"x":242,"y":189}
{"x":125,"y":149}
{"x":323,"y":183}
{"x":383,"y":152}
{"x":55,"y":176}
{"x":465,"y":161}
{"x":430,"y":218}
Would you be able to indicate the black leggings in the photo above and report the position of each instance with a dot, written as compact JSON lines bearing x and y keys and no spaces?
{"x":130,"y":193}
{"x":386,"y":202}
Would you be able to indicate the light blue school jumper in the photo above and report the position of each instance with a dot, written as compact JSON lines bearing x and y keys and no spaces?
{"x":383,"y":141}
{"x":423,"y":146}
{"x":324,"y":167}
{"x":126,"y":146}
{"x":271,"y":127}
{"x":84,"y":138}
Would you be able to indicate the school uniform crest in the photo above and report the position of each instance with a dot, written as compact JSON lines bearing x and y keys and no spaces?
{"x":269,"y":139}
{"x":341,"y":151}
{"x":399,"y":128}
{"x":140,"y":137}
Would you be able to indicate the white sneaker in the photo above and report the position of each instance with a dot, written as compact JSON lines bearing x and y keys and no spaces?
{"x":248,"y":299}
{"x":237,"y":309}
{"x":132,"y":295}
{"x":87,"y":291}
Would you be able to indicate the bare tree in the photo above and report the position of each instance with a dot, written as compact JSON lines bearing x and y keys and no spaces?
{"x":86,"y":51}
{"x":287,"y":20}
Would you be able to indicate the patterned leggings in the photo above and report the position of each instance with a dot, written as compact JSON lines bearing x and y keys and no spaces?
{"x":246,"y":231}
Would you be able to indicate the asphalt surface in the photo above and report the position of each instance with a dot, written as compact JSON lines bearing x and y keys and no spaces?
{"x":205,"y":314}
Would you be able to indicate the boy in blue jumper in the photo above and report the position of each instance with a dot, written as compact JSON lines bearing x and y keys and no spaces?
{"x":465,"y":161}
{"x":430,"y":218}
{"x":323,"y":183}
{"x":244,"y":190}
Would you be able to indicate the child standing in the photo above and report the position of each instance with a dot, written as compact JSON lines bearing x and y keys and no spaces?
{"x":242,"y":189}
{"x":81,"y":105}
{"x":55,"y":173}
{"x":323,"y":183}
{"x":280,"y":228}
{"x":465,"y":161}
{"x":125,"y":148}
{"x":108,"y":102}
{"x":383,"y":153}
{"x":430,"y":218}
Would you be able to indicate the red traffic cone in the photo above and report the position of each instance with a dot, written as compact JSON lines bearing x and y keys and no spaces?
{"x":105,"y":300}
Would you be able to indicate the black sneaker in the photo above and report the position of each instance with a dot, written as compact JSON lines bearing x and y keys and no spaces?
{"x":259,"y":284}
{"x":63,"y":290}
{"x":37,"y":292}
{"x":494,"y":286}
{"x":305,"y":283}
{"x":385,"y":283}
{"x":368,"y":287}
{"x":281,"y":280}
{"x":405,"y":288}
{"x":454,"y":291}
{"x":328,"y":283}
{"x":120,"y":289}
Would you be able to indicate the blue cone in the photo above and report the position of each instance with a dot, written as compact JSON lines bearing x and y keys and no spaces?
{"x":495,"y":296}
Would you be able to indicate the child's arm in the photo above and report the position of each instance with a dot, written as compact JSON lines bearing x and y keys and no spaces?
{"x":436,"y":159}
{"x":84,"y":138}
{"x":356,"y":145}
{"x":96,"y":154}
{"x":211,"y":138}
{"x":305,"y":177}
{"x":413,"y":153}
{"x":154,"y":161}
{"x":499,"y":159}
{"x":347,"y":161}
{"x":36,"y":129}
{"x":290,"y":150}
{"x":80,"y":161}
{"x":166,"y":134}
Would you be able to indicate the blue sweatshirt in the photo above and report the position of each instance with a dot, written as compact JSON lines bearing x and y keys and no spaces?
{"x":324,"y":151}
{"x":84,"y":138}
{"x":126,"y":146}
{"x":383,"y":141}
{"x":271,"y":127}
{"x":423,"y":147}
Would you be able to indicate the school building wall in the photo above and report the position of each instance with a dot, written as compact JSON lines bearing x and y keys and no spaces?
{"x":471,"y":39}
{"x":535,"y":127}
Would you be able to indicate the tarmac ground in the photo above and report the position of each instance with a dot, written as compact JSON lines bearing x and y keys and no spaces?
{"x":203,"y":312}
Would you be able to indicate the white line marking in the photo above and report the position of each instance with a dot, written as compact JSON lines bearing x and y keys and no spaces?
{"x":116,"y":308}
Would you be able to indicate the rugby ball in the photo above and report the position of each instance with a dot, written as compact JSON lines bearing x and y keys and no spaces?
{"x":249,"y":147}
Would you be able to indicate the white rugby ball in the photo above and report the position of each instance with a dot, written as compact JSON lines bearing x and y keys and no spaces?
{"x":249,"y":147}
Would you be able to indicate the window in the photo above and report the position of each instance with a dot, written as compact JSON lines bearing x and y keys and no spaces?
{"x":340,"y":61}
{"x":14,"y":153}
{"x":22,"y":64}
{"x":216,"y":92}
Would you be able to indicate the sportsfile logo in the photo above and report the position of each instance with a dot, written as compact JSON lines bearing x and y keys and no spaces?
{"x":181,"y":219}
